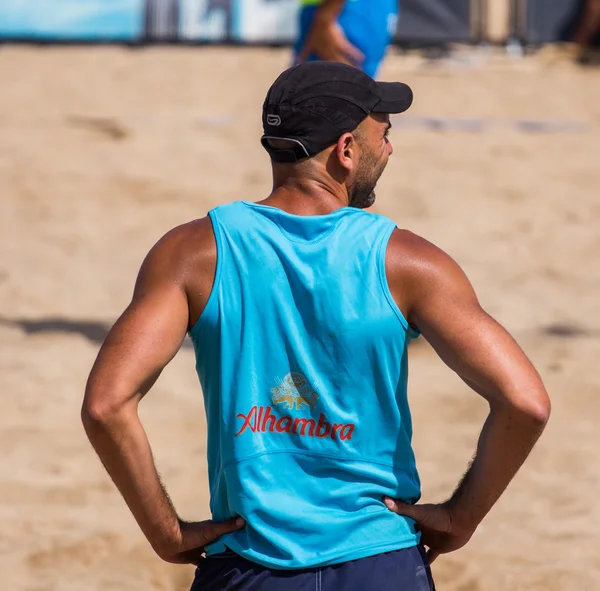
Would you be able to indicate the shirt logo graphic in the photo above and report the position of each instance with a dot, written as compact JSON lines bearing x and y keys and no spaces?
{"x":274,"y":120}
{"x":294,"y":390}
{"x":294,"y":393}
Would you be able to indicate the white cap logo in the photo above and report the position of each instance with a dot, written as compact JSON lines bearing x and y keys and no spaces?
{"x":274,"y":120}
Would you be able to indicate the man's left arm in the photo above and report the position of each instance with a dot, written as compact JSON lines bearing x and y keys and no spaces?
{"x":444,"y":307}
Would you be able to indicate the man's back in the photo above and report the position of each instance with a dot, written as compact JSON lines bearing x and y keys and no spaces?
{"x":294,"y":322}
{"x":301,"y":352}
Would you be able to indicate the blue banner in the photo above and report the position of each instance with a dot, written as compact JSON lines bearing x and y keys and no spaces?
{"x":96,"y":20}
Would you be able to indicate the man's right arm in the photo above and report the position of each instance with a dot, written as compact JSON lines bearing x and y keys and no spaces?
{"x":140,"y":344}
{"x":435,"y":296}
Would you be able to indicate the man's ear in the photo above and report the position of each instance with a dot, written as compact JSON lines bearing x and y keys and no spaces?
{"x":346,"y":151}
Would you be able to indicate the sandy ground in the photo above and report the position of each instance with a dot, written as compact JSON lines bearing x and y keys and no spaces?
{"x":103,"y":150}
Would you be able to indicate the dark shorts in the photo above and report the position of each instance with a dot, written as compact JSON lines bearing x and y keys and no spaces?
{"x":402,"y":570}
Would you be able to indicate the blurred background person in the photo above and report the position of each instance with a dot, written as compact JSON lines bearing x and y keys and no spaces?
{"x":354,"y":32}
{"x":587,"y":32}
{"x":576,"y":37}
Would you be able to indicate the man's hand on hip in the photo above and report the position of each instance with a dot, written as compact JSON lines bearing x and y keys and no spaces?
{"x":194,"y":536}
{"x":438,"y":527}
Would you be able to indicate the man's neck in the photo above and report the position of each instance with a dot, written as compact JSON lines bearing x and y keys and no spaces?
{"x":307,"y":197}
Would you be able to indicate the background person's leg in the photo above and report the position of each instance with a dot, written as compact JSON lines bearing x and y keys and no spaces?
{"x":588,"y":27}
{"x":306,"y":15}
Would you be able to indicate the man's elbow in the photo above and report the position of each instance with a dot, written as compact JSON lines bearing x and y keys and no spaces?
{"x":92,"y":415}
{"x":541,"y":409}
{"x":100,"y":410}
{"x":536,"y":408}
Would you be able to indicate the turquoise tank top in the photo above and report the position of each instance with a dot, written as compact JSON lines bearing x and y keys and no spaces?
{"x":301,"y":353}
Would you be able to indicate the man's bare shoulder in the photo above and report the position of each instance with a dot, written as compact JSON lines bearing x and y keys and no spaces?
{"x":416,"y":268}
{"x":188,"y":237}
{"x":184,"y":250}
{"x":408,"y":252}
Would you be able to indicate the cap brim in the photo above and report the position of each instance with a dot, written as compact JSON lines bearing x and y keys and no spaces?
{"x":396,"y":97}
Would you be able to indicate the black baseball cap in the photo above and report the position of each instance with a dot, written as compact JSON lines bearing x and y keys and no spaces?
{"x":311,"y":105}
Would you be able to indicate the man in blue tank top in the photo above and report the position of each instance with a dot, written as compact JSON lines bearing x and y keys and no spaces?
{"x":301,"y":308}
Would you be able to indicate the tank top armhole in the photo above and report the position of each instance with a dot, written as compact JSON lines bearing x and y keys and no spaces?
{"x":412,"y":333}
{"x":211,"y":302}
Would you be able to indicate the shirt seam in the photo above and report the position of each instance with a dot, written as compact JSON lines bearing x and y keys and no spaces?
{"x":295,"y":451}
{"x":301,"y":241}
{"x":410,"y":331}
{"x":359,"y":549}
{"x":214,"y":220}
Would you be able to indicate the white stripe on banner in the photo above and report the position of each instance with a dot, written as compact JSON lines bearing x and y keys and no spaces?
{"x":266,"y":21}
{"x":162,"y":19}
{"x":202,"y":20}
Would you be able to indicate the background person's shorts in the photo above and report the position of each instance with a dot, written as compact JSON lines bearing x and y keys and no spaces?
{"x":368,"y":24}
{"x":402,"y":570}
